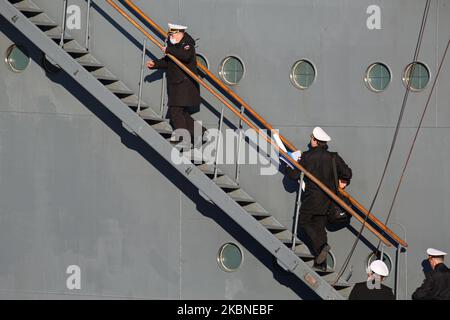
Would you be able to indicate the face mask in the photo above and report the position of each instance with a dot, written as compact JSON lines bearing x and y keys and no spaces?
{"x":172,"y":41}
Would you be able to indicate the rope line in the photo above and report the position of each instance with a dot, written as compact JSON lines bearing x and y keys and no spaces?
{"x":394,"y":140}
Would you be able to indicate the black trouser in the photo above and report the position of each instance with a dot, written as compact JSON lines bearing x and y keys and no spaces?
{"x":314,"y":226}
{"x":181,"y":119}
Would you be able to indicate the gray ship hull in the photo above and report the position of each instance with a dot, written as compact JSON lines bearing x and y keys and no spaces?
{"x":78,"y":189}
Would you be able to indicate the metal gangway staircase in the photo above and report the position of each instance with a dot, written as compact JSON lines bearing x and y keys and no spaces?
{"x":137,"y":116}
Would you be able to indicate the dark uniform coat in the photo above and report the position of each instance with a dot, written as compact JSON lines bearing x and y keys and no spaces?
{"x":361,"y":291}
{"x":318,"y":161}
{"x":436,"y":285}
{"x":182,"y":90}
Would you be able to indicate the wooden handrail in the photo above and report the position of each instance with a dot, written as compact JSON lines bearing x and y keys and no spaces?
{"x":329,"y":192}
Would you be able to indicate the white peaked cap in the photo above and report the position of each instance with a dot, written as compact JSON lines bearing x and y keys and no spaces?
{"x":177,"y":26}
{"x":435,"y":253}
{"x":379,"y":267}
{"x":320,"y":135}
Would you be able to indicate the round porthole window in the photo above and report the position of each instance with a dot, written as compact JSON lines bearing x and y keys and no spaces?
{"x":386,"y":259}
{"x":230,"y":257}
{"x":231,"y":70}
{"x":202,"y":60}
{"x":302,"y":74}
{"x":417,"y":75}
{"x":377,"y":77}
{"x":17,"y":58}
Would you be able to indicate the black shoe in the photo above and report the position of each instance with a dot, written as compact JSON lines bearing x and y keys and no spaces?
{"x":320,"y":267}
{"x":322,"y":256}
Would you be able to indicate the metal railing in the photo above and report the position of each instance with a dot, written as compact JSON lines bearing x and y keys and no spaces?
{"x":265,"y":124}
{"x":238,"y":153}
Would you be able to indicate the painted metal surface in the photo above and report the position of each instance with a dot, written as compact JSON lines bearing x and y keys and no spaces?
{"x":36,"y":152}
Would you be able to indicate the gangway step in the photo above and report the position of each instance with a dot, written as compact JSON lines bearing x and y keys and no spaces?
{"x":27,"y":7}
{"x":152,"y":118}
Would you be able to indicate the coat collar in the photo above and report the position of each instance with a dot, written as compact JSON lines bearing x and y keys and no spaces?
{"x":318,"y":148}
{"x":441,"y":267}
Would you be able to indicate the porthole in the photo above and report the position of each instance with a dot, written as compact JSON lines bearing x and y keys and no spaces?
{"x":230,"y":257}
{"x":231,"y":70}
{"x":377,"y":77}
{"x":17,"y":58}
{"x":302,"y":74}
{"x":331,"y":260}
{"x":417,"y":75}
{"x":202,"y":60}
{"x":386,"y":259}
